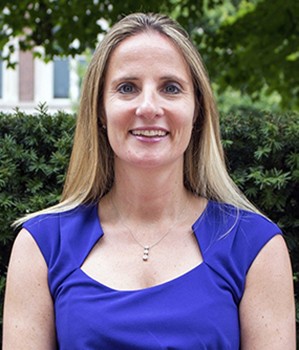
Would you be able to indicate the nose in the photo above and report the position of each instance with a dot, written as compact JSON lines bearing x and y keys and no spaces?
{"x":148,"y":105}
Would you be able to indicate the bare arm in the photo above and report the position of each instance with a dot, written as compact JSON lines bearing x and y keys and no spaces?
{"x":267,"y":310}
{"x":28,"y":308}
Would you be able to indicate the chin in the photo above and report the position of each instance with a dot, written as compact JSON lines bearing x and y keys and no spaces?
{"x":155,"y":163}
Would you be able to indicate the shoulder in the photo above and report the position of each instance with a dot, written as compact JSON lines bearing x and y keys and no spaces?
{"x":267,"y":310}
{"x":24,"y":246}
{"x":231,"y":238}
{"x":243,"y":224}
{"x":19,"y":265}
{"x":251,"y":231}
{"x":227,"y":223}
{"x":53,"y":218}
{"x":51,"y":222}
{"x":28,"y":304}
{"x":53,"y":231}
{"x":64,"y":239}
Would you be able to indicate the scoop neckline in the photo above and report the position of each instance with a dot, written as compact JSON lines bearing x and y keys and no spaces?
{"x":161,"y":285}
{"x":195,"y":227}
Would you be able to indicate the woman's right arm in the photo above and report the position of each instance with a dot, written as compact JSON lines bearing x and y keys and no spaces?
{"x":28,"y":308}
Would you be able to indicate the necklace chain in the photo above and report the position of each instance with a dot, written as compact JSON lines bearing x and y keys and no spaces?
{"x":146,"y":248}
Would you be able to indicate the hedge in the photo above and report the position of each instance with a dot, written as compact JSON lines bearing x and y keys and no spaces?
{"x":262,"y":150}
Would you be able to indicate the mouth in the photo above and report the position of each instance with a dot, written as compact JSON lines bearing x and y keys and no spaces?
{"x":149,"y":133}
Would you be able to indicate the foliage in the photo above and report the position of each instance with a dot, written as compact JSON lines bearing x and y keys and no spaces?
{"x":33,"y":159}
{"x":263,"y":156}
{"x":262,"y":149}
{"x":263,"y":153}
{"x":248,"y":45}
{"x":256,"y":49}
{"x":62,"y":27}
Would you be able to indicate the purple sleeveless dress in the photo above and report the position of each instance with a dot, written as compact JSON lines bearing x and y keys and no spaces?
{"x":198,"y":310}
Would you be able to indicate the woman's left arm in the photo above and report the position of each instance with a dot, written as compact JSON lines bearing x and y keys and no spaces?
{"x":267,"y":310}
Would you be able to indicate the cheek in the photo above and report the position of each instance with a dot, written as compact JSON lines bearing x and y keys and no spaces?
{"x":114,"y":118}
{"x":118,"y":125}
{"x":187,"y":116}
{"x":185,"y":123}
{"x":118,"y":115}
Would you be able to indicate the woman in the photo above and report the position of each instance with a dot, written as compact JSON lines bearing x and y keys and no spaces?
{"x":152,"y":245}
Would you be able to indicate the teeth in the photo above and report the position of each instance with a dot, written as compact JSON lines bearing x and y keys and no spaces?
{"x":149,"y":132}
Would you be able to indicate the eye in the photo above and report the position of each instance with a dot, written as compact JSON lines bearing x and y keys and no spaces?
{"x":172,"y":88}
{"x":126,"y":88}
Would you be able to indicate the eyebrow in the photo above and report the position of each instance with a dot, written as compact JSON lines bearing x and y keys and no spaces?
{"x":163,"y":78}
{"x":124,"y":78}
{"x":175,"y":78}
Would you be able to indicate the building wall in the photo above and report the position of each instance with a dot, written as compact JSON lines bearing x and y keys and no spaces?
{"x":32,"y":83}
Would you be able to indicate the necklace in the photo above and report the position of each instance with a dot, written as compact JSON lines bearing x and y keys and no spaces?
{"x":147,"y":247}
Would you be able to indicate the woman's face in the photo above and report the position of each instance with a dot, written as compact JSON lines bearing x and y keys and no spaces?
{"x":149,"y":102}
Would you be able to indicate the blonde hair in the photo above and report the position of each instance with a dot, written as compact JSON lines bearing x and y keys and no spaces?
{"x":91,"y":169}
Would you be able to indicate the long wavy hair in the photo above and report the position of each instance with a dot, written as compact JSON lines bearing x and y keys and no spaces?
{"x":90,"y":173}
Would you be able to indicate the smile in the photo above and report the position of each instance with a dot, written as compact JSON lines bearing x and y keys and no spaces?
{"x":149,"y":133}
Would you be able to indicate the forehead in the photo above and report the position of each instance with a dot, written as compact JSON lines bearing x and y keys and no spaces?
{"x":147,"y":48}
{"x":149,"y":38}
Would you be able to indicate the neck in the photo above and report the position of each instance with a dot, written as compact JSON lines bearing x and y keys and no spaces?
{"x":150,"y":205}
{"x":149,"y":195}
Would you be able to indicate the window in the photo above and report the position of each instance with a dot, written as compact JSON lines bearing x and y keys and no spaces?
{"x":61,"y":78}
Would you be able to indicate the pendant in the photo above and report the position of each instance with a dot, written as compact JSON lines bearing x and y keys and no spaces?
{"x":145,"y":253}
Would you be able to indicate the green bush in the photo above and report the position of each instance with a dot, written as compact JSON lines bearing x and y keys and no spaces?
{"x":262,"y":152}
{"x":263,"y":157}
{"x":33,"y":159}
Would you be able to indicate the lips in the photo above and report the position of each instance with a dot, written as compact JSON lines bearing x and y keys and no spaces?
{"x":149,"y":133}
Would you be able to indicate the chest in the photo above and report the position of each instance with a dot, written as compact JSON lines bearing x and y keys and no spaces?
{"x":193,"y":311}
{"x":119,"y":264}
